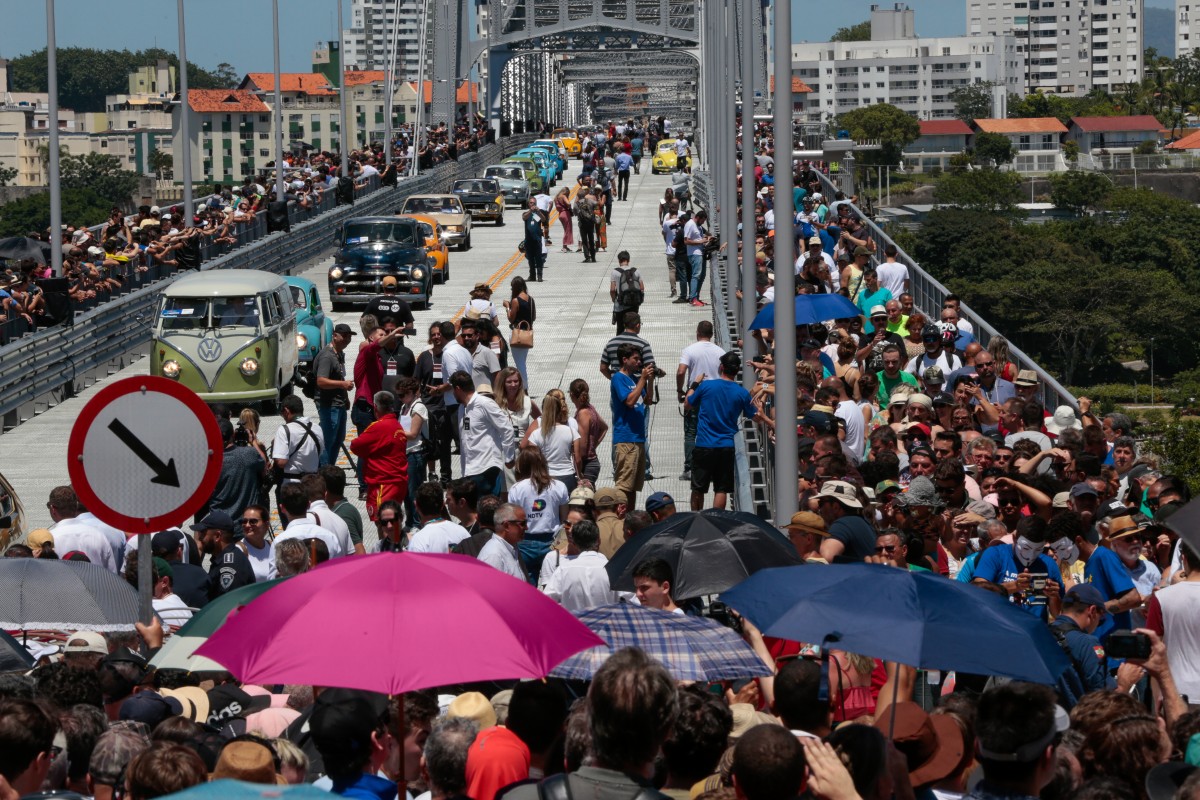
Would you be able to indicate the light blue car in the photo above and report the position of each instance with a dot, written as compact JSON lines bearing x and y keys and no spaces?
{"x":560,"y":164}
{"x":314,"y":329}
{"x":546,"y":167}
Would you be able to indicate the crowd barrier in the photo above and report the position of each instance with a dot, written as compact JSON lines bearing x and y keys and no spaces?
{"x":39,"y":370}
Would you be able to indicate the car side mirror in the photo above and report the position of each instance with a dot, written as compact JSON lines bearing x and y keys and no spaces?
{"x":6,"y":522}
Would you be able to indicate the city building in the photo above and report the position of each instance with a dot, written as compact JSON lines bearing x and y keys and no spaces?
{"x":1187,"y":26}
{"x":311,"y":110}
{"x":1038,"y":141}
{"x":1067,"y":47}
{"x":1113,"y":134}
{"x":940,"y":140}
{"x":915,"y":74}
{"x":367,"y":43}
{"x":230,"y":132}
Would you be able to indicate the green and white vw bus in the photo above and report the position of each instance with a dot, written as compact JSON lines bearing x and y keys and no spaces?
{"x":229,"y":335}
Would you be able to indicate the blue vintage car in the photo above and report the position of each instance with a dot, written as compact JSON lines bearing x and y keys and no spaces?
{"x":314,"y":328}
{"x":546,"y":166}
{"x":551,"y":150}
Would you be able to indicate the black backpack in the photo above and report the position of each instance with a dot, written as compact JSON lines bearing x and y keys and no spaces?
{"x":680,"y":243}
{"x":632,"y":295}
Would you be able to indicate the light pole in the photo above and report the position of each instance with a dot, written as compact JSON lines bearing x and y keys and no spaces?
{"x":279,"y":193}
{"x":749,"y":266}
{"x":420,"y":118}
{"x":786,"y":493}
{"x":342,"y":127}
{"x":389,"y":86}
{"x":52,"y":124}
{"x":186,"y":155}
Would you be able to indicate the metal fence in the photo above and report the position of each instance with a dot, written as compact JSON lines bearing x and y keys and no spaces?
{"x":750,"y":446}
{"x":40,"y":370}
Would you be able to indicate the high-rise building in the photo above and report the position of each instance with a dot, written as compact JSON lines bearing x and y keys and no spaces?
{"x":895,"y":66}
{"x":1067,"y":47}
{"x":368,"y":40}
{"x":1187,"y":26}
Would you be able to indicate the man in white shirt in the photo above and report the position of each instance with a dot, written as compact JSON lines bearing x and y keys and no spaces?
{"x":670,"y":220}
{"x":71,"y":534}
{"x":815,"y":249}
{"x":114,"y":537}
{"x":437,"y":534}
{"x":298,"y":442}
{"x":487,"y":443}
{"x":893,"y":275}
{"x":168,"y":605}
{"x":501,"y":550}
{"x":700,"y":358}
{"x":293,"y":507}
{"x":321,"y":514}
{"x":582,"y":581}
{"x":849,"y":412}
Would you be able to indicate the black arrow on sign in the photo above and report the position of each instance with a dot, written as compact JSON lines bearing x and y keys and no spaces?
{"x":164,"y":474}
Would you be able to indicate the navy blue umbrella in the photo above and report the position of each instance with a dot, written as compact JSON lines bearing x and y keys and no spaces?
{"x":810,"y":308}
{"x":913,"y":618}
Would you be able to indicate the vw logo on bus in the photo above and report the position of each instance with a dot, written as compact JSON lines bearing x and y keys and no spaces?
{"x":209,"y":349}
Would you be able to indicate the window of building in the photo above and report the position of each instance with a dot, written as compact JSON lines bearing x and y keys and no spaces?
{"x":265,"y":153}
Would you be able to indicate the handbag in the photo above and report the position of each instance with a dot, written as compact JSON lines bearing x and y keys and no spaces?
{"x":522,"y":335}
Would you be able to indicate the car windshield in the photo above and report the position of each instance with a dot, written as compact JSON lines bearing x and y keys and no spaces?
{"x":360,"y":232}
{"x":474,"y":186}
{"x":666,"y":145}
{"x":513,"y":173}
{"x":299,"y":296}
{"x":432,"y":205}
{"x":200,"y":313}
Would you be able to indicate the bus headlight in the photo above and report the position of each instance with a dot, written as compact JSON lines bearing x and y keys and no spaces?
{"x":171,"y":369}
{"x":249,"y":367}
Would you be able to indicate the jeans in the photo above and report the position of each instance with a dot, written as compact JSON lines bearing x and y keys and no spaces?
{"x":570,"y":481}
{"x":520,"y":357}
{"x":416,"y":476}
{"x":587,"y":237}
{"x":698,"y":266}
{"x":362,"y":415}
{"x":532,"y":550}
{"x":623,"y":184}
{"x":690,"y":417}
{"x":537,"y":263}
{"x":333,"y":428}
{"x":683,"y":272}
{"x":608,"y":203}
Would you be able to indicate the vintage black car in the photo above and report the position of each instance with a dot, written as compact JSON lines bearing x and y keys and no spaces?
{"x":372,"y":248}
{"x":483,"y":197}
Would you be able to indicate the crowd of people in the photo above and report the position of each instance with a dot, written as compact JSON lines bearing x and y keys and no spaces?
{"x":919,"y":449}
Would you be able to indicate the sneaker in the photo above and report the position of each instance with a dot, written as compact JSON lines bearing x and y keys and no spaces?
{"x":696,"y":302}
{"x":686,"y":476}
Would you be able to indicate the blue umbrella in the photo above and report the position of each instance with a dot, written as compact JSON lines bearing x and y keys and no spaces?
{"x":912,"y":618}
{"x":227,"y":789}
{"x":810,"y":308}
{"x":691,"y":648}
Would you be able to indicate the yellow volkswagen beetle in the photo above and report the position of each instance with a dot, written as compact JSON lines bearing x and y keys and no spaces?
{"x":570,"y":141}
{"x":664,"y":157}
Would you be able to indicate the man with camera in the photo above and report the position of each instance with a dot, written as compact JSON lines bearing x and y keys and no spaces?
{"x":297,"y":446}
{"x":242,"y":467}
{"x":697,"y":241}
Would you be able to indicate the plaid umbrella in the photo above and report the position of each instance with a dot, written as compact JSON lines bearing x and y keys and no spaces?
{"x":691,"y":648}
{"x":39,"y":594}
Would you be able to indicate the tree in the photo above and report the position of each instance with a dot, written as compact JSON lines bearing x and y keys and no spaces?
{"x":993,"y":149}
{"x":1079,"y":191}
{"x":98,"y":173}
{"x":7,"y":174}
{"x":854,"y":33}
{"x":979,"y":190}
{"x":973,"y":101}
{"x":160,"y":162}
{"x":32,"y":213}
{"x":891,"y":127}
{"x":227,"y":75}
{"x":1070,"y":151}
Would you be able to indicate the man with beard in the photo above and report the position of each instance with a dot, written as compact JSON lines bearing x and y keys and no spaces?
{"x":1129,"y":545}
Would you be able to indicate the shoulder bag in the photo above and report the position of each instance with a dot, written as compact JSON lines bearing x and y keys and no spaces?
{"x":522,"y":335}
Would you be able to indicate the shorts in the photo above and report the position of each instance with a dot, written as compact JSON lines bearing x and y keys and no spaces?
{"x":629,"y":468}
{"x":381,"y":493}
{"x":712,"y":465}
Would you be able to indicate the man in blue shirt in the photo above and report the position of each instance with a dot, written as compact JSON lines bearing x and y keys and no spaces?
{"x":719,"y":407}
{"x":624,"y":164}
{"x":1082,"y":613}
{"x":1104,"y":570}
{"x":628,"y":392}
{"x":1031,"y":579}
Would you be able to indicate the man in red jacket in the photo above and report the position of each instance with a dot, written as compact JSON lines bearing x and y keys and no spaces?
{"x":383,"y":447}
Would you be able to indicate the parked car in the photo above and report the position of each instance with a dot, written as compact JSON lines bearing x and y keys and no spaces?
{"x":533,"y":173}
{"x":435,"y":244}
{"x":448,"y":210}
{"x":372,"y":248}
{"x":229,"y":335}
{"x":482,"y":197}
{"x":570,"y":140}
{"x":513,"y":183}
{"x":547,"y":164}
{"x":664,"y":157}
{"x":314,"y":329}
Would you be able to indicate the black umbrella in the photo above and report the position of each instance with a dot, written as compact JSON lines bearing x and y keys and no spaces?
{"x":15,"y":248}
{"x":709,"y":551}
{"x":1185,"y":522}
{"x":41,"y":594}
{"x":13,"y":657}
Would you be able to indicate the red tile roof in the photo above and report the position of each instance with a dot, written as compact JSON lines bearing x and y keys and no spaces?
{"x":1021,"y":125}
{"x":1189,"y":142}
{"x":460,"y":95}
{"x":798,"y":86}
{"x":305,"y":82}
{"x":942,"y":127}
{"x":1142,"y":122}
{"x":224,"y":101}
{"x":357,"y":77}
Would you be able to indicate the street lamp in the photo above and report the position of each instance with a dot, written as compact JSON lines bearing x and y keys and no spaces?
{"x":184,"y":135}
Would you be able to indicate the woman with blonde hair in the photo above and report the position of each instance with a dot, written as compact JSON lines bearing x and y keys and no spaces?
{"x":1005,"y":368}
{"x":556,"y":440}
{"x":509,"y":392}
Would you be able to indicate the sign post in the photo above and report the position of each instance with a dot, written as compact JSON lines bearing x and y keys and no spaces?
{"x":144,"y":455}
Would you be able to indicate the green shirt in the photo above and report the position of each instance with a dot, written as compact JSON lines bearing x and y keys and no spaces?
{"x":888,"y":385}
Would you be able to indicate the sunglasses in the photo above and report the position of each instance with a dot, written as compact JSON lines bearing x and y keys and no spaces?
{"x":392,"y":521}
{"x":250,"y":521}
{"x":886,"y":548}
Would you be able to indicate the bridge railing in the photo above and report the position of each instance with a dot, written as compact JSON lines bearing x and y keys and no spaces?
{"x":40,"y":370}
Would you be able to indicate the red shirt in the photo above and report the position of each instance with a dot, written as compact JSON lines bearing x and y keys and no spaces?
{"x":368,"y":373}
{"x":384,"y":448}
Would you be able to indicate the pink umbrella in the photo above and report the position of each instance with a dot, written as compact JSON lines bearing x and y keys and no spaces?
{"x":395,"y":623}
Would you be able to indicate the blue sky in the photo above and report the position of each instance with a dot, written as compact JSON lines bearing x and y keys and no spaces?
{"x":239,"y":31}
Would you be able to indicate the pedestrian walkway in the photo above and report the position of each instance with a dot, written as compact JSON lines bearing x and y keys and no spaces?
{"x":574,"y":323}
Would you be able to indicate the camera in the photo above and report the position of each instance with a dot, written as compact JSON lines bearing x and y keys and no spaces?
{"x":1037,"y":588}
{"x":658,"y":373}
{"x":719,"y":612}
{"x":241,"y":436}
{"x":1127,"y":644}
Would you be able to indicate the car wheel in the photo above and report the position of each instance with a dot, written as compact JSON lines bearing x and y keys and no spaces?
{"x":500,"y":220}
{"x":336,"y":305}
{"x":466,"y":245}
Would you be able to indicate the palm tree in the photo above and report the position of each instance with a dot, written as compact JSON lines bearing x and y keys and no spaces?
{"x":160,"y":162}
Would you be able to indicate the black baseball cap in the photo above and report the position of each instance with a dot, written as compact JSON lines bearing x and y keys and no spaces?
{"x":165,"y":542}
{"x":344,"y":329}
{"x":227,"y":702}
{"x":343,"y":720}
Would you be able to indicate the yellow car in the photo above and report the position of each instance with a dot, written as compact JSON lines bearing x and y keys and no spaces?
{"x":664,"y":157}
{"x":435,"y":244}
{"x":570,"y":141}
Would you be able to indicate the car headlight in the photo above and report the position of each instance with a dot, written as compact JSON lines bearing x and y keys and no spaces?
{"x":336,"y":273}
{"x":456,"y":228}
{"x":249,"y":367}
{"x":418,"y":273}
{"x":301,"y":341}
{"x":171,"y":369}
{"x":493,"y":207}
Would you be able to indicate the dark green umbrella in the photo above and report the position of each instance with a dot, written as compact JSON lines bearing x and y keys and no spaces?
{"x":177,"y":653}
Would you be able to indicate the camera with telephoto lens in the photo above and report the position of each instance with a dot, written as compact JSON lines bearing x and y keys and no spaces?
{"x":719,"y":612}
{"x":241,"y":436}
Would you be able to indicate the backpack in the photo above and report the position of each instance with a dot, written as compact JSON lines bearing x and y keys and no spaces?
{"x":632,"y":296}
{"x":680,"y":244}
{"x":1070,"y":686}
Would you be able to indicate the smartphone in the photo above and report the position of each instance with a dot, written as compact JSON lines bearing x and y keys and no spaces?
{"x":1127,"y":644}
